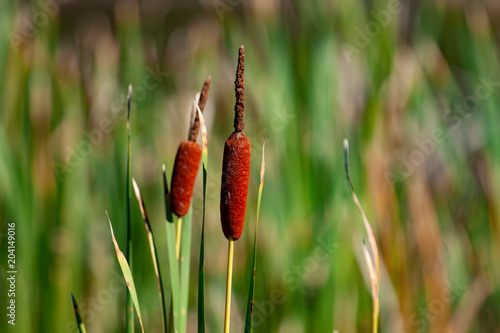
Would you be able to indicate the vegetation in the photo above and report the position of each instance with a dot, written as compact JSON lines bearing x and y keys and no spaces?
{"x":413,"y":85}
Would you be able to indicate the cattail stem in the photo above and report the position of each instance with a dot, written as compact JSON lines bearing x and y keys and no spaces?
{"x":229,"y":284}
{"x":178,"y":237}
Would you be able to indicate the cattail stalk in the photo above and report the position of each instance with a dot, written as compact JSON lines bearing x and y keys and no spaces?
{"x":235,"y":177}
{"x":236,"y":164}
{"x":178,"y":237}
{"x":227,"y":313}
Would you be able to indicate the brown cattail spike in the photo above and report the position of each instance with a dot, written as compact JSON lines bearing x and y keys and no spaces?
{"x":234,"y":187}
{"x":195,"y":128}
{"x":187,"y":162}
{"x":236,"y":165}
{"x":239,"y":88}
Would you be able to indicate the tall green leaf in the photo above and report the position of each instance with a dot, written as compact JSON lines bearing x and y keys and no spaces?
{"x":154,"y":253}
{"x":172,"y":258}
{"x":184,"y":261}
{"x":130,"y":310}
{"x":201,"y":273}
{"x":251,"y":289}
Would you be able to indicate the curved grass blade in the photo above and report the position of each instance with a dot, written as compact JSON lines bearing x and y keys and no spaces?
{"x":81,"y":326}
{"x":201,"y":274}
{"x":374,"y":269}
{"x":251,"y":289}
{"x":130,"y":310}
{"x":154,"y":254}
{"x":127,"y":274}
{"x":172,"y":258}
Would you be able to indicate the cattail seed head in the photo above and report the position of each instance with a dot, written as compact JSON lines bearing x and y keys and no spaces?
{"x":236,"y":164}
{"x":187,"y":162}
{"x":234,"y":185}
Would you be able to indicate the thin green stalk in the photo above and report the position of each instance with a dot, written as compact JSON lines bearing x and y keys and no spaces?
{"x":154,"y":253}
{"x":251,"y":289}
{"x":130,"y":309}
{"x":178,"y":237}
{"x":227,"y":313}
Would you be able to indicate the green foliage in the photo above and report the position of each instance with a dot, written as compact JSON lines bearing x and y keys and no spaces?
{"x":399,"y":97}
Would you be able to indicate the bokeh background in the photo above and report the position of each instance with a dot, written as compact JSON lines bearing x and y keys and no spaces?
{"x":413,"y":84}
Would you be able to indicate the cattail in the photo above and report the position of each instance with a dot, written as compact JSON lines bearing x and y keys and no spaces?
{"x":236,"y":164}
{"x":187,"y":162}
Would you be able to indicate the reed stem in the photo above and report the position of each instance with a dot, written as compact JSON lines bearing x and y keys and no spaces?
{"x":130,"y":307}
{"x":229,"y":284}
{"x":178,"y":237}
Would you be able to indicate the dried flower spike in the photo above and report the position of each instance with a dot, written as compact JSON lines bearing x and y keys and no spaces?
{"x":236,"y":164}
{"x":195,"y":128}
{"x":187,"y":162}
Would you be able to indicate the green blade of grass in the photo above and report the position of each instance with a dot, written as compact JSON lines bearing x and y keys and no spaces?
{"x":201,"y":274}
{"x":251,"y":288}
{"x":184,"y":261}
{"x":172,"y":258}
{"x":372,"y":264}
{"x":127,"y":274}
{"x":154,"y":253}
{"x":130,"y":310}
{"x":79,"y":323}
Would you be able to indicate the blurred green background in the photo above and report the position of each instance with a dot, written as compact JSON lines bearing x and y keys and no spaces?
{"x":413,"y":84}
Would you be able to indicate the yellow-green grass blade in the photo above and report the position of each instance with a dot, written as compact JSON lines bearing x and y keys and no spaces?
{"x":154,"y":253}
{"x":130,"y":310}
{"x":201,"y":271}
{"x":172,"y":258}
{"x":79,"y":322}
{"x":127,"y":274}
{"x":184,"y":261}
{"x":251,"y":289}
{"x":373,"y":264}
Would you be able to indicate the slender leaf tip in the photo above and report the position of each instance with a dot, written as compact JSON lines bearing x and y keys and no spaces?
{"x":165,"y":181}
{"x":346,"y":163}
{"x":129,"y":98}
{"x":75,"y":306}
{"x":141,"y":202}
{"x":263,"y":165}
